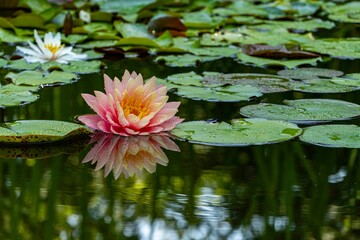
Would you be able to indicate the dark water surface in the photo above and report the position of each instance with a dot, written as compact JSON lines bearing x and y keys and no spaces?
{"x":280,"y":191}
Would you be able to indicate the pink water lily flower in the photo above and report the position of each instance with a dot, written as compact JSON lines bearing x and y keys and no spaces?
{"x":130,"y":107}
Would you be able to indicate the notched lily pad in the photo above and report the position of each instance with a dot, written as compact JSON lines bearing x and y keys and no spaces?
{"x":304,"y":111}
{"x":39,"y":131}
{"x":240,"y":132}
{"x":335,"y":135}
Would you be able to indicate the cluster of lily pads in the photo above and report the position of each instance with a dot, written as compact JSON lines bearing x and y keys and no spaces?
{"x":267,"y":122}
{"x":261,"y":33}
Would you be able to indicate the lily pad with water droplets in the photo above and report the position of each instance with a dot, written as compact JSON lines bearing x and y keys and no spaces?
{"x":309,"y":73}
{"x":322,"y":86}
{"x":265,"y":82}
{"x":12,"y":95}
{"x":335,"y":135}
{"x":304,"y":111}
{"x":240,"y":132}
{"x":235,"y":93}
{"x":39,"y":131}
{"x":349,"y":12}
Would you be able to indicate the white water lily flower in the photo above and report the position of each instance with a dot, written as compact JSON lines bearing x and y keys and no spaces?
{"x":49,"y":49}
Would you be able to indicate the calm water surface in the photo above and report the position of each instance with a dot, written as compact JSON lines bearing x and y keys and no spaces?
{"x":281,"y":191}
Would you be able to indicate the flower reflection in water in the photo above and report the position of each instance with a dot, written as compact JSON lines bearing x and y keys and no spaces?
{"x":129,"y":155}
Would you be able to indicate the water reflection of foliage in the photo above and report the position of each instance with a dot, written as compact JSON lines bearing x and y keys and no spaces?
{"x":129,"y":155}
{"x":277,"y":191}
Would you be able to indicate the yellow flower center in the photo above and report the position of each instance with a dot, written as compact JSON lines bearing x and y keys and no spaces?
{"x":52,"y":48}
{"x":134,"y":104}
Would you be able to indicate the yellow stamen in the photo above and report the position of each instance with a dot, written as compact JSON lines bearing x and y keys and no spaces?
{"x":134,"y":105}
{"x":53,"y":48}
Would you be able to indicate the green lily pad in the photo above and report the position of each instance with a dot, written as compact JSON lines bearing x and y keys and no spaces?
{"x":258,"y":61}
{"x":12,"y":95}
{"x":304,"y":111}
{"x":307,"y":25}
{"x":322,"y":86}
{"x":272,"y":37}
{"x":36,"y":78}
{"x":352,"y":79}
{"x":79,"y":67}
{"x":349,"y":12}
{"x":201,"y":19}
{"x":10,"y":37}
{"x":241,"y":132}
{"x":39,"y":131}
{"x":265,"y":82}
{"x":186,"y":60}
{"x":310,"y":73}
{"x":336,"y":135}
{"x":3,"y":62}
{"x":335,"y":47}
{"x":21,"y":64}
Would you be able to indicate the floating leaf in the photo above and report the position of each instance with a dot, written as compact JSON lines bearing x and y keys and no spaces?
{"x":276,"y":52}
{"x":13,"y":95}
{"x":336,"y":135}
{"x":36,"y":78}
{"x":241,"y":132}
{"x":305,"y":111}
{"x":186,"y":60}
{"x":3,"y":62}
{"x":201,"y":19}
{"x":266,"y":83}
{"x":21,"y":64}
{"x":335,"y":47}
{"x":39,"y":131}
{"x":10,"y":37}
{"x":307,"y":25}
{"x":257,"y":61}
{"x":349,"y":12}
{"x":352,"y":79}
{"x":234,"y":93}
{"x":79,"y":67}
{"x":322,"y":86}
{"x":310,"y":73}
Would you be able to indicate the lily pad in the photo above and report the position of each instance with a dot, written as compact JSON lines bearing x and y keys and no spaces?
{"x":309,"y":73}
{"x":236,"y":93}
{"x":39,"y":131}
{"x":240,"y":132}
{"x":258,"y":61}
{"x":335,"y":135}
{"x":79,"y":67}
{"x":335,"y":47}
{"x":322,"y":86}
{"x":349,"y":12}
{"x":21,"y":64}
{"x":352,"y":79}
{"x":3,"y":62}
{"x":304,"y":111}
{"x":265,"y":82}
{"x":36,"y":78}
{"x":186,"y":60}
{"x":12,"y":95}
{"x":307,"y":25}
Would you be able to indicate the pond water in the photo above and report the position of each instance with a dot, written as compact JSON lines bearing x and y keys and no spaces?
{"x":289,"y":190}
